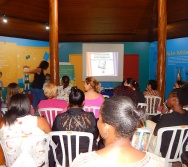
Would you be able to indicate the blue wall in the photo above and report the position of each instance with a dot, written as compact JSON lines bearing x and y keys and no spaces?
{"x":141,"y":48}
{"x":176,"y":59}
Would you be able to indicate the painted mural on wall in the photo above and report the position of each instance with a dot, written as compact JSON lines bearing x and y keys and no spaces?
{"x":176,"y":62}
{"x":16,"y":53}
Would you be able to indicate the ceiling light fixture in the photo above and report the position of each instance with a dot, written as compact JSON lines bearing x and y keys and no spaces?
{"x":47,"y":27}
{"x":5,"y":19}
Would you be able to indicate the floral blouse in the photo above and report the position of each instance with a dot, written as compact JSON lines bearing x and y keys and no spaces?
{"x":66,"y":122}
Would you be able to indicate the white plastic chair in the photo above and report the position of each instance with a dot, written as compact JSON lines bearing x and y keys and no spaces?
{"x":142,"y":105}
{"x":183,"y":136}
{"x":94,"y":109}
{"x":50,"y":113}
{"x":141,"y":138}
{"x":106,"y":96}
{"x":69,"y":134}
{"x":27,"y":149}
{"x":153,"y":102}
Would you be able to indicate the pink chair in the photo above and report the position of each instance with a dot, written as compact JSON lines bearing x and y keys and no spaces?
{"x":50,"y":113}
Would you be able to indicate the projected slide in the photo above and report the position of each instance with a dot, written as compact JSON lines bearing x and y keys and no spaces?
{"x":102,"y":63}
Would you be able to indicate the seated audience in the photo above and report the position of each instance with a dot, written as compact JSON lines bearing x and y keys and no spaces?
{"x":151,"y":89}
{"x":135,"y":86}
{"x":117,"y":123}
{"x":50,"y":91}
{"x":92,"y":93}
{"x":17,"y":121}
{"x":67,"y":121}
{"x":178,"y":116}
{"x":123,"y":90}
{"x":65,"y":89}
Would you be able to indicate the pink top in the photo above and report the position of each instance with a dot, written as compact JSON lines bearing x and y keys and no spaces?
{"x":52,"y":103}
{"x":95,"y":102}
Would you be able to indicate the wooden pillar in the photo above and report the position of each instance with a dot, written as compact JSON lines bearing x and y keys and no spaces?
{"x":54,"y":59}
{"x":161,"y":65}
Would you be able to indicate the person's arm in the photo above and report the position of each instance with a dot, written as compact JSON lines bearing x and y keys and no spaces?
{"x":55,"y":128}
{"x":102,"y":97}
{"x":93,"y":127}
{"x":162,"y":123}
{"x":35,"y":71}
{"x":43,"y":124}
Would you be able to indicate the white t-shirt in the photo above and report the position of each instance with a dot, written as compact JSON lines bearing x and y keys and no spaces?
{"x":92,"y":159}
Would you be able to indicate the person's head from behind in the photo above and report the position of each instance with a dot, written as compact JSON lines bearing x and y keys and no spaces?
{"x":76,"y":97}
{"x":136,"y":86}
{"x":179,"y":84}
{"x":18,"y":106}
{"x":119,"y":118}
{"x":127,"y":91}
{"x":65,"y":81}
{"x":50,"y":91}
{"x":47,"y":76}
{"x":178,"y":97}
{"x":92,"y":83}
{"x":12,"y":89}
{"x":184,"y":159}
{"x":152,"y":85}
{"x":129,"y":82}
{"x":44,"y":65}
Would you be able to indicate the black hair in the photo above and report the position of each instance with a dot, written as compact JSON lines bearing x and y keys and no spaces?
{"x":44,"y":65}
{"x":19,"y":106}
{"x":153,"y":84}
{"x":184,"y":158}
{"x":130,"y":81}
{"x":65,"y":81}
{"x":181,"y":83}
{"x":181,"y":94}
{"x":47,"y":75}
{"x":121,"y":113}
{"x":76,"y":97}
{"x":136,"y":85}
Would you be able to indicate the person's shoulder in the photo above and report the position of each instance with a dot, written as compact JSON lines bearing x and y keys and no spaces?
{"x":155,"y":160}
{"x":61,"y":115}
{"x":92,"y":115}
{"x":85,"y":160}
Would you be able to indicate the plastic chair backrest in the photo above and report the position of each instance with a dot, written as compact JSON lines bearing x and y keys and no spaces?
{"x":153,"y":103}
{"x":183,"y":136}
{"x":106,"y":96}
{"x":141,"y":138}
{"x":34,"y":146}
{"x":142,"y":105}
{"x":50,"y":113}
{"x":94,"y":109}
{"x":69,"y":134}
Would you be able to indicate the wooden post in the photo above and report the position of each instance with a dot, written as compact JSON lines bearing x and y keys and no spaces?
{"x":161,"y":65}
{"x":54,"y":59}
